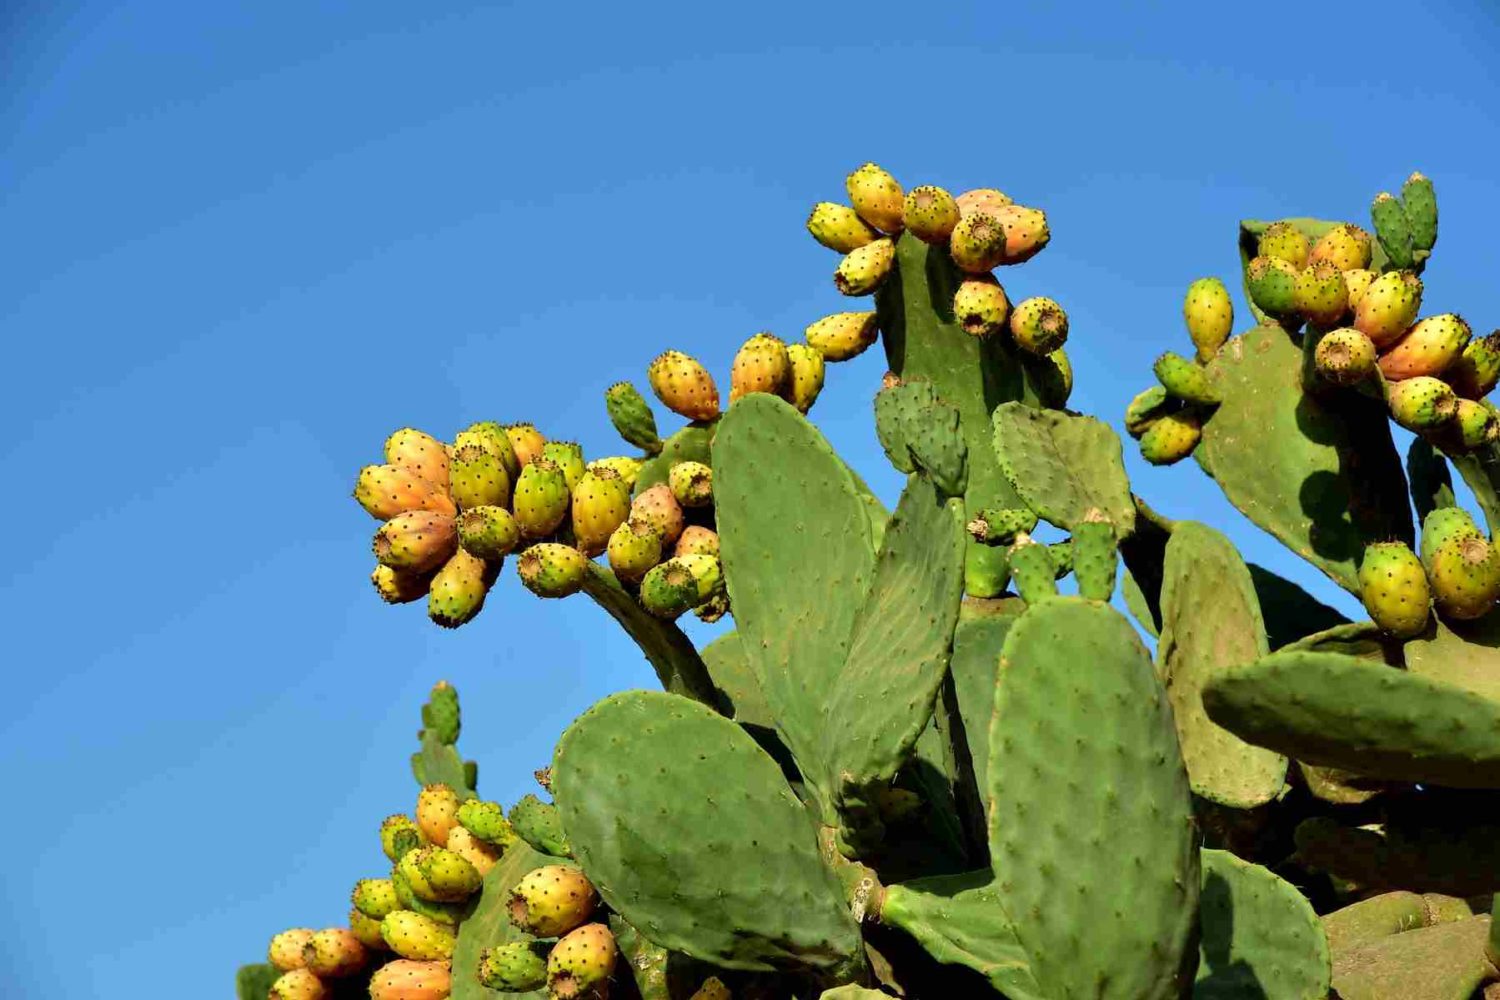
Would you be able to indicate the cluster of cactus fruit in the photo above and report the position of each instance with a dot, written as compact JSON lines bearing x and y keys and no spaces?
{"x":932,"y":758}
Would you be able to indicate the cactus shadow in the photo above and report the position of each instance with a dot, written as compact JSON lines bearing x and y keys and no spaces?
{"x":1220,"y":974}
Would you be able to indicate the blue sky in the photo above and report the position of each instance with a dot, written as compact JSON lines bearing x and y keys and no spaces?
{"x":244,"y":241}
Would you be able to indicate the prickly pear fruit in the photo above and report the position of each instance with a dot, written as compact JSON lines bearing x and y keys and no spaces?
{"x":930,"y":213}
{"x":806,"y":379}
{"x":980,"y":306}
{"x":1420,"y":202}
{"x":1464,"y":574}
{"x":1388,"y":307}
{"x":492,"y":438}
{"x":422,"y":453}
{"x":398,"y":586}
{"x":1421,"y":403}
{"x":457,"y":591}
{"x":1001,"y":525}
{"x":1171,"y":437}
{"x":601,"y":503}
{"x":526,"y":441}
{"x":659,"y":509}
{"x":366,"y":931}
{"x":477,"y":478}
{"x":441,"y":714}
{"x":486,"y":820}
{"x":299,"y":984}
{"x":488,"y":532}
{"x":624,"y":466}
{"x":437,"y":812}
{"x":707,"y":573}
{"x":415,"y":937}
{"x":839,"y":227}
{"x":1273,"y":286}
{"x":333,"y":953}
{"x":1443,"y":525}
{"x":1357,"y":281}
{"x":416,"y":541}
{"x":1146,"y":408}
{"x":977,"y":243}
{"x":670,"y":590}
{"x":1026,"y":232}
{"x":1054,"y":378}
{"x":404,"y":979}
{"x":581,"y":963}
{"x":1345,"y":246}
{"x":374,"y":897}
{"x":552,"y":900}
{"x":684,"y":386}
{"x":876,"y":197}
{"x":568,"y":457}
{"x":1394,"y":588}
{"x":1209,"y":314}
{"x":476,"y":852}
{"x":1320,"y":294}
{"x":760,"y":365}
{"x":540,"y":825}
{"x":1475,"y":424}
{"x":541,"y":498}
{"x":1033,"y":570}
{"x":1477,"y":370}
{"x":285,"y":951}
{"x":843,"y":336}
{"x":1284,"y":241}
{"x":518,"y":967}
{"x":451,"y":877}
{"x":1393,"y":229}
{"x":634,"y":547}
{"x":1186,"y":380}
{"x":863,"y":270}
{"x":1345,"y":357}
{"x":713,"y":988}
{"x":986,"y":200}
{"x":549,"y":569}
{"x":1095,"y":556}
{"x":697,"y":540}
{"x":713,"y":609}
{"x":1039,"y":325}
{"x":1428,"y":348}
{"x":692,"y":484}
{"x":387,"y":490}
{"x":399,"y":834}
{"x":632,"y":416}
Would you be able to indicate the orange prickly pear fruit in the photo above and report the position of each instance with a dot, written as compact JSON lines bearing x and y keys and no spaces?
{"x":760,"y":365}
{"x":684,"y":386}
{"x":387,"y":490}
{"x":877,"y":197}
{"x":1428,"y":348}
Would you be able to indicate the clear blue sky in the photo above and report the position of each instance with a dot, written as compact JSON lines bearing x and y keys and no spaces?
{"x":243,"y":241}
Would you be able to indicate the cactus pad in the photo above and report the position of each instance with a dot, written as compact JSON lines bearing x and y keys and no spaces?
{"x":1259,"y":935}
{"x":677,"y":664}
{"x":1443,"y":962}
{"x":1063,"y":465}
{"x":1464,"y":654}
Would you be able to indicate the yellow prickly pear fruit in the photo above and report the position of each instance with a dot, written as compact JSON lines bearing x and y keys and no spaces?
{"x":422,"y":453}
{"x":839,"y":227}
{"x":1421,"y":403}
{"x":930,"y":213}
{"x":1321,"y":295}
{"x":1284,"y":241}
{"x":416,"y":541}
{"x":1208,"y":312}
{"x":843,"y":335}
{"x":398,"y":586}
{"x":552,"y":900}
{"x":580,"y":965}
{"x":568,"y":457}
{"x":366,"y":931}
{"x":1428,"y":348}
{"x":1026,"y":232}
{"x":457,"y":592}
{"x":634,"y":548}
{"x":405,"y":979}
{"x":1345,"y":357}
{"x":375,"y":897}
{"x":806,"y":379}
{"x":437,"y":812}
{"x":1388,"y":307}
{"x":415,"y":937}
{"x":552,"y":570}
{"x":877,"y":197}
{"x":526,"y":441}
{"x":477,"y":853}
{"x":601,"y":503}
{"x":1477,"y":370}
{"x":387,"y":490}
{"x":285,"y":951}
{"x":1171,"y":437}
{"x":684,"y":386}
{"x":1356,"y":281}
{"x":492,"y":438}
{"x":713,"y":988}
{"x":1147,"y":407}
{"x":541,"y":499}
{"x":692,"y":484}
{"x":986,"y":200}
{"x":299,"y":984}
{"x":624,"y":466}
{"x":333,"y":953}
{"x":491,"y":533}
{"x":1464,"y":576}
{"x":697,"y":540}
{"x":1039,"y":325}
{"x":977,"y":243}
{"x":477,"y":478}
{"x":1475,"y":424}
{"x":707,"y":572}
{"x":659,"y":509}
{"x":451,"y":877}
{"x":863,"y":270}
{"x":1345,"y":246}
{"x":980,"y":306}
{"x":399,"y":834}
{"x":760,"y":365}
{"x":1394,"y":588}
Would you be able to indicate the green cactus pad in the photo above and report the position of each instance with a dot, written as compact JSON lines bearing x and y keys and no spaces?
{"x":540,"y":825}
{"x":1339,"y":711}
{"x":1099,"y":875}
{"x":1461,"y":859}
{"x":490,"y":924}
{"x":1290,"y":612}
{"x":1211,"y":625}
{"x":973,"y":666}
{"x":1390,"y":913}
{"x":253,"y":982}
{"x":852,"y":992}
{"x":438,"y":762}
{"x":891,"y":409}
{"x":1431,"y":481}
{"x":692,"y":443}
{"x":658,"y":973}
{"x":959,"y":920}
{"x":661,"y":797}
{"x":677,"y":664}
{"x":1445,"y":962}
{"x":1463,"y":654}
{"x":1321,"y":475}
{"x":1259,"y":936}
{"x":1480,"y":470}
{"x":797,"y":561}
{"x":1063,"y":465}
{"x":740,"y":698}
{"x":920,"y":431}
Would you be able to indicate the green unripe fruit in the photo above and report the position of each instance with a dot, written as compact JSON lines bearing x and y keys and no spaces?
{"x":1464,"y":574}
{"x":1388,"y":307}
{"x":697,"y":540}
{"x":659,"y":509}
{"x":539,"y":824}
{"x":1393,"y":229}
{"x":1039,"y":325}
{"x":839,"y":227}
{"x":398,"y":586}
{"x":1345,"y":246}
{"x":1394,"y":589}
{"x":422,"y":453}
{"x":541,"y":500}
{"x":410,"y":871}
{"x":1477,"y":370}
{"x":634,"y":547}
{"x":1420,"y":201}
{"x":1273,"y":286}
{"x":486,"y":821}
{"x":760,"y":365}
{"x":333,"y":953}
{"x":806,"y":376}
{"x":1444,"y":524}
{"x":684,"y":386}
{"x":1321,"y":295}
{"x":1001,"y":525}
{"x":1430,"y":347}
{"x":843,"y":336}
{"x":864,"y":270}
{"x":552,"y":900}
{"x":518,"y":967}
{"x":1475,"y":424}
{"x":416,"y":937}
{"x":1186,"y":380}
{"x":285,"y":951}
{"x":1345,"y":357}
{"x":458,"y":590}
{"x":387,"y":490}
{"x":581,"y":963}
{"x":1033,"y":570}
{"x":441,"y":714}
{"x":551,"y":570}
{"x":977,"y":243}
{"x":375,"y":897}
{"x":492,"y":438}
{"x":632,"y":417}
{"x":452,"y":878}
{"x":399,"y":834}
{"x":1054,"y":378}
{"x":1208,"y":312}
{"x":601,"y":503}
{"x":1148,"y":406}
{"x":692,"y":484}
{"x":670,"y":590}
{"x":876,"y":197}
{"x":1171,"y":437}
{"x":568,"y":457}
{"x":447,"y":914}
{"x":299,"y":984}
{"x":488,"y":532}
{"x":1026,"y":232}
{"x":624,"y":466}
{"x":1421,"y":403}
{"x":1284,"y":241}
{"x":366,"y":931}
{"x":980,"y":306}
{"x":930,"y":213}
{"x":526,"y":441}
{"x":1357,"y":281}
{"x":417,"y":541}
